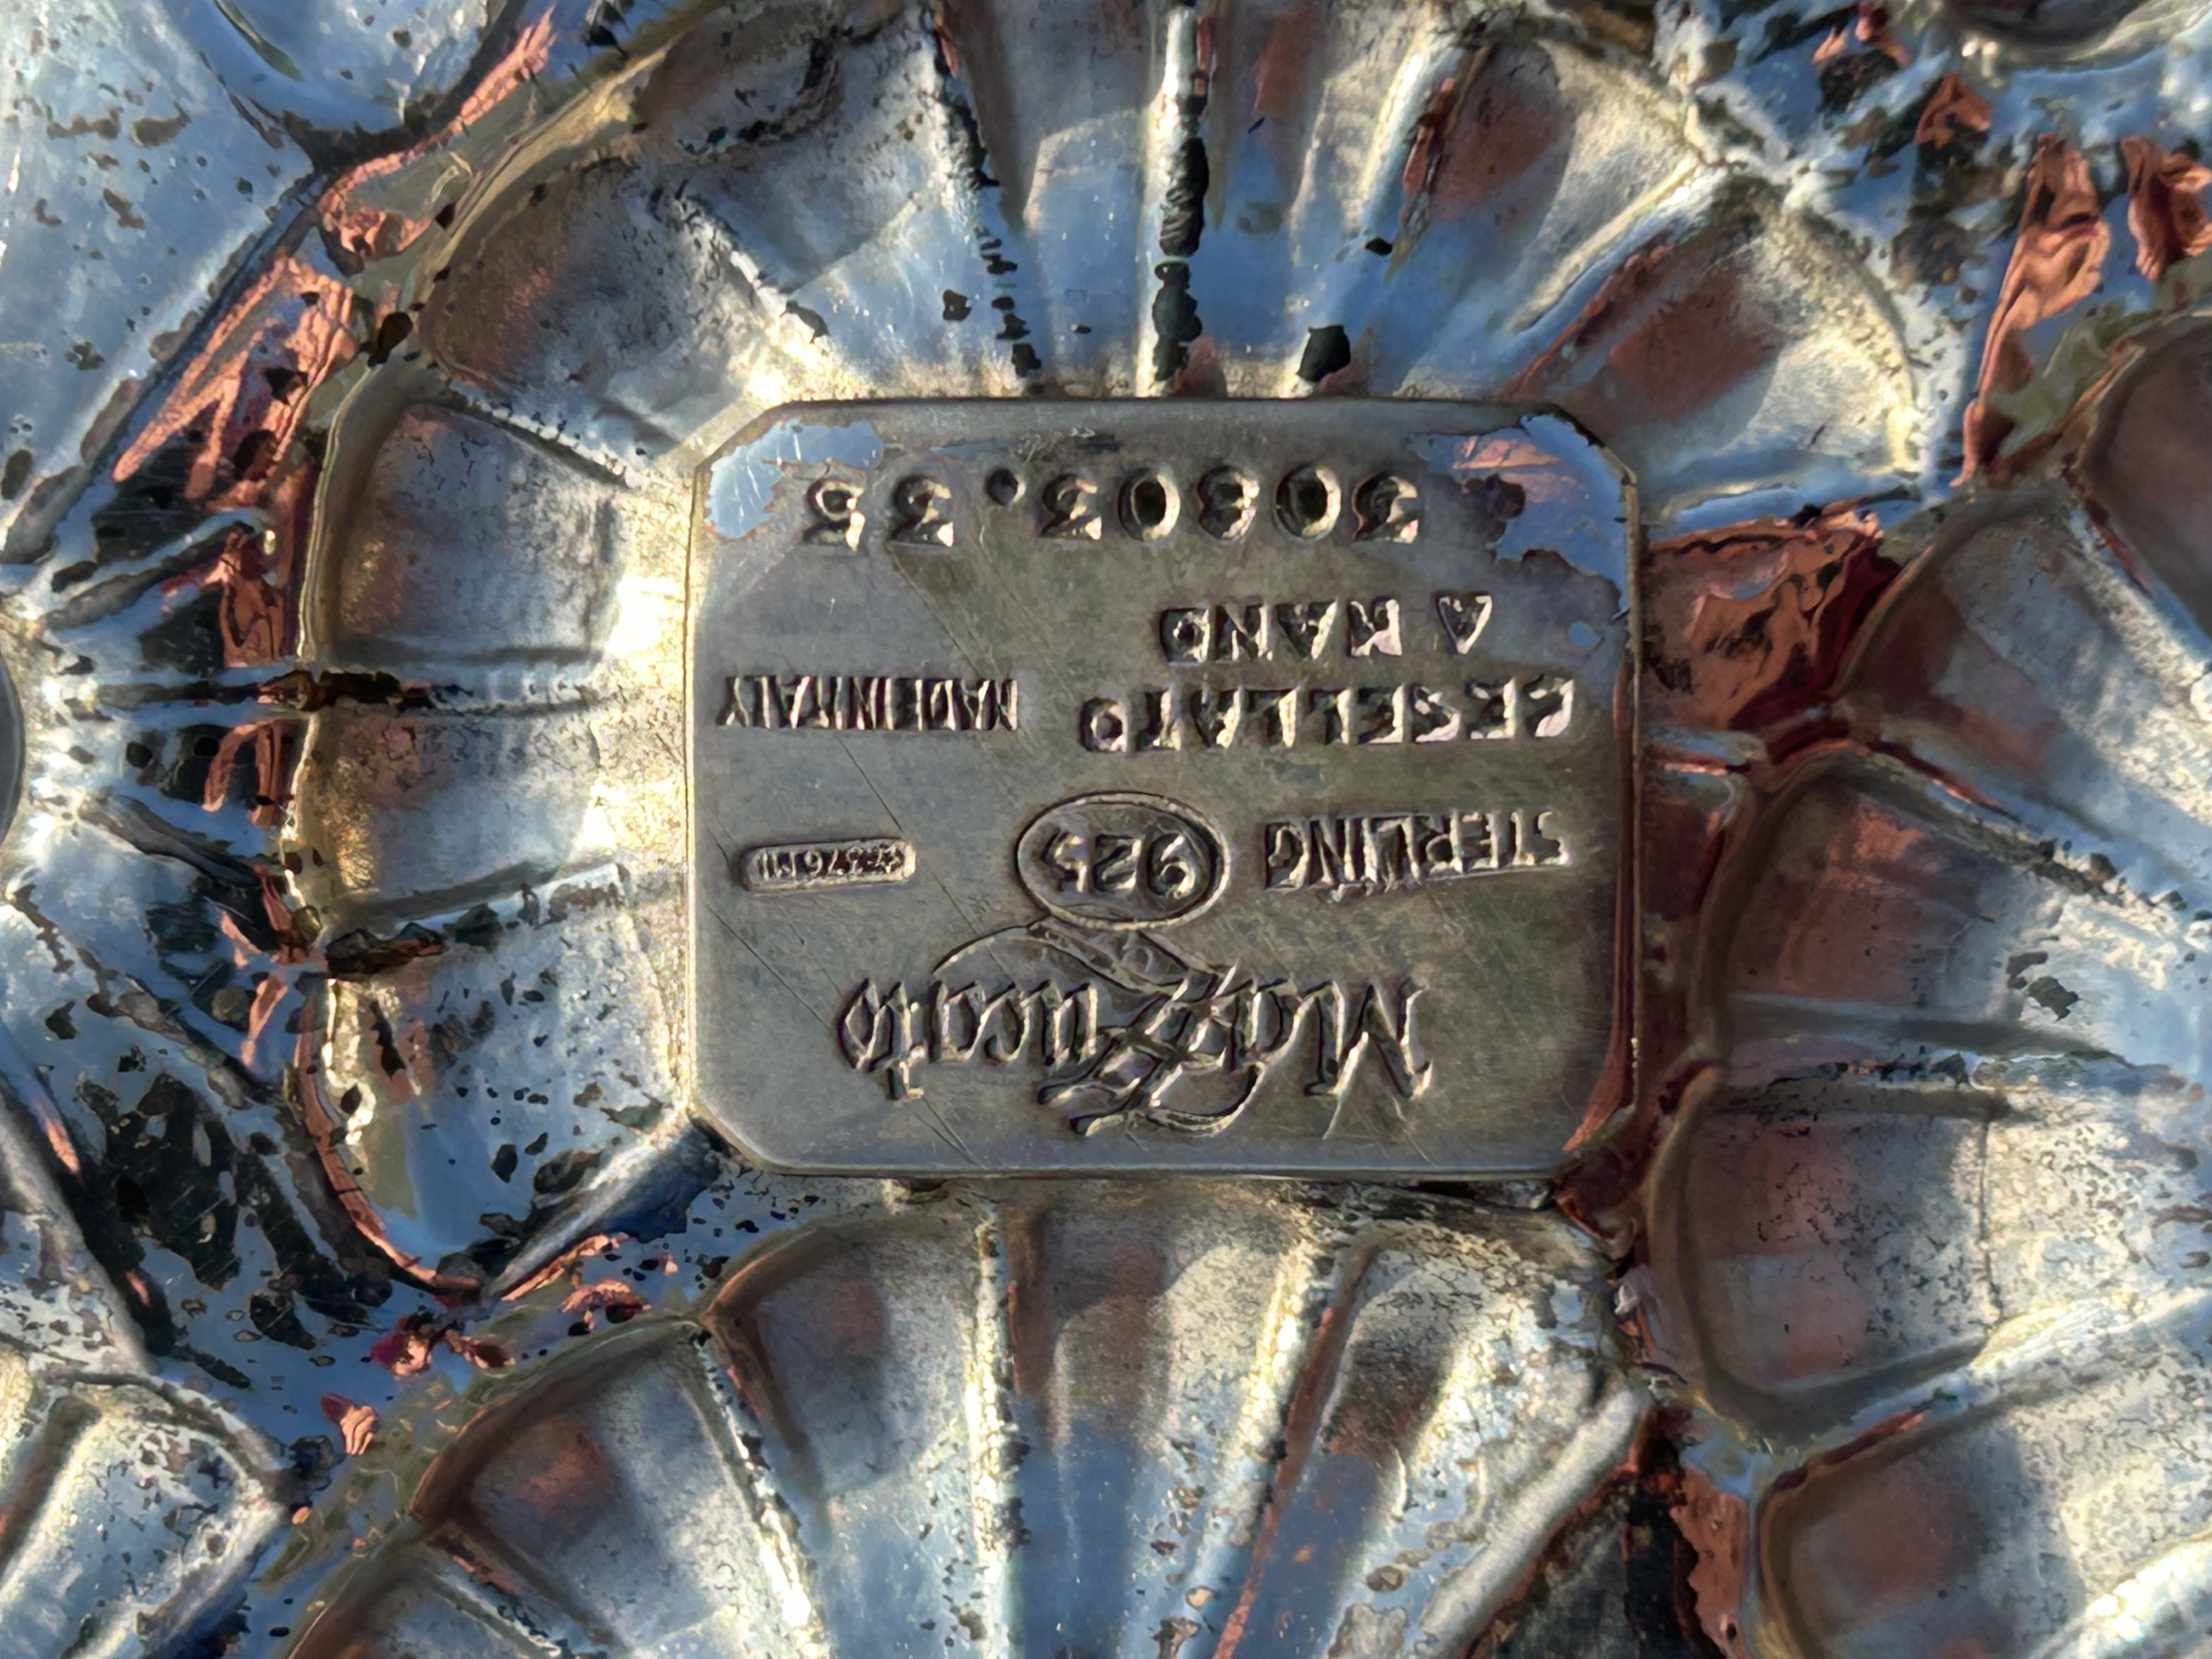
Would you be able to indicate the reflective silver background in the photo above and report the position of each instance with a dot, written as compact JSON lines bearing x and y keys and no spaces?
{"x":357,"y":361}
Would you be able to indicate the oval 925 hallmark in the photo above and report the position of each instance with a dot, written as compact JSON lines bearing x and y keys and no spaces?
{"x":1122,"y":860}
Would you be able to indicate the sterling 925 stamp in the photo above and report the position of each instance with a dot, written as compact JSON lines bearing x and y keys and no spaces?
{"x":1161,"y":785}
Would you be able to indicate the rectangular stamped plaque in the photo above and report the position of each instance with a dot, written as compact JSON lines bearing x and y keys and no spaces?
{"x":1160,"y":785}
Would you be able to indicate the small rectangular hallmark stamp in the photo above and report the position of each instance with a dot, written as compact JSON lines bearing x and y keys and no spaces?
{"x":804,"y":866}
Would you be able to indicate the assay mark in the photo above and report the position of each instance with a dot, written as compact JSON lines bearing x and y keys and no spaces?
{"x":806,"y":866}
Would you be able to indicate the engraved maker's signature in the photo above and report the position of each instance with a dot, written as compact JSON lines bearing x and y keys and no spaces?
{"x":1128,"y":1029}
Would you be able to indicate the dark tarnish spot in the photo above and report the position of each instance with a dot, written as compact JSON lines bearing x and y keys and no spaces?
{"x":968,"y":139}
{"x":305,"y":1271}
{"x":480,"y":927}
{"x":2053,"y":995}
{"x":1843,"y":81}
{"x":812,"y":318}
{"x":1932,"y":250}
{"x":130,"y":1201}
{"x":968,"y":132}
{"x":1788,"y":32}
{"x":120,"y":206}
{"x":149,"y":508}
{"x":205,"y":769}
{"x":676,"y":100}
{"x":504,"y":1160}
{"x":604,"y":22}
{"x":1845,"y":73}
{"x":1175,"y":319}
{"x":637,"y":1118}
{"x":147,"y":131}
{"x":1170,"y":1637}
{"x":229,"y":1375}
{"x":1012,"y":328}
{"x":2044,"y":22}
{"x":106,"y":127}
{"x":166,"y":1165}
{"x":276,"y":1316}
{"x":488,"y":1257}
{"x":564,"y":1173}
{"x":361,"y":952}
{"x":1631,"y":26}
{"x":15,"y":474}
{"x":184,"y":929}
{"x":391,"y":334}
{"x":308,"y":693}
{"x":1496,"y":502}
{"x":1183,"y":214}
{"x":1328,"y":350}
{"x":1182,"y":206}
{"x":311,"y":1458}
{"x":189,"y":640}
{"x":1622,"y":1560}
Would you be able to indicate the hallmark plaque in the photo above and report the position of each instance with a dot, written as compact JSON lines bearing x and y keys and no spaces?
{"x":1160,"y":785}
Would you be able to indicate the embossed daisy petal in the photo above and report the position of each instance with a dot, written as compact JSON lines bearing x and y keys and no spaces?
{"x":1926,"y":1229}
{"x":1079,"y":1417}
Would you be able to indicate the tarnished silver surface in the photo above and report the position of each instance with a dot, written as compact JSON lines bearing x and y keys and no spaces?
{"x":132,"y":1506}
{"x":361,"y":364}
{"x":1261,"y":773}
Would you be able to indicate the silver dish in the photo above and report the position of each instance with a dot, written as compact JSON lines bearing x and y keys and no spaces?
{"x":376,"y":1282}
